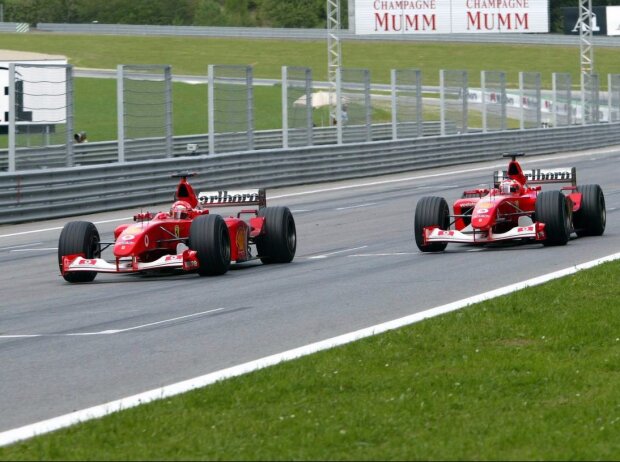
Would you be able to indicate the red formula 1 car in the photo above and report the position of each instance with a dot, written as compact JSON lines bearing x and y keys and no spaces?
{"x":188,"y":238}
{"x":515,"y":208}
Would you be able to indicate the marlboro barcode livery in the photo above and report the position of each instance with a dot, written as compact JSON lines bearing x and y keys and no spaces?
{"x":515,"y":209}
{"x":187,"y":238}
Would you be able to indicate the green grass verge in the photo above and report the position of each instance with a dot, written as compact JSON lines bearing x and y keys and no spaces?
{"x":191,"y":55}
{"x":533,"y":375}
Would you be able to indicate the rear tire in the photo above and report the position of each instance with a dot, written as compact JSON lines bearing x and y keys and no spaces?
{"x":552,"y":210}
{"x":591,"y":218}
{"x":430,"y":211}
{"x":79,"y":237}
{"x":279,"y":243}
{"x":208,"y":236}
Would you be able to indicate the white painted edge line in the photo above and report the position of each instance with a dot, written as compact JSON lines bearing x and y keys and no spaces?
{"x":46,"y":426}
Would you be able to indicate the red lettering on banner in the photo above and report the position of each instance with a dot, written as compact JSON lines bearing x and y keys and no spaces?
{"x":394,"y":23}
{"x":497,"y":21}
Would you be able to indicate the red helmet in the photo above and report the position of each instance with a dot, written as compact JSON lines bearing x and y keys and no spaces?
{"x":180,"y":209}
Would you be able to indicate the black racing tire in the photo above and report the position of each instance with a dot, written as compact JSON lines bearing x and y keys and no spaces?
{"x":591,"y":218}
{"x":552,"y":209}
{"x":279,"y":241}
{"x":79,"y":237}
{"x":430,"y":211}
{"x":209,"y":237}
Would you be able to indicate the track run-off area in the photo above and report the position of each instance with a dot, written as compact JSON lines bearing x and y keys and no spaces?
{"x":74,"y":351}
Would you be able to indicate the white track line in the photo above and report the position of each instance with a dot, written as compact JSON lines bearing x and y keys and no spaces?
{"x":329,"y":254}
{"x":60,"y":227}
{"x":111,"y":331}
{"x":356,"y":206}
{"x":94,"y":412}
{"x":391,"y":254}
{"x":34,"y":249}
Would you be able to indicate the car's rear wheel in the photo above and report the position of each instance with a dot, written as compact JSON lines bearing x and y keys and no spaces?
{"x":591,"y":218}
{"x":79,"y":237}
{"x":552,"y":210}
{"x":279,"y":241}
{"x":208,"y":236}
{"x":430,"y":211}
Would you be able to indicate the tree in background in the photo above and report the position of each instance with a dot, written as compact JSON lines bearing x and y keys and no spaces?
{"x":293,"y":13}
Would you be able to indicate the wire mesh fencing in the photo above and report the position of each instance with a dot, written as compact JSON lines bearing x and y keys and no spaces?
{"x":613,"y":97}
{"x":493,"y":99}
{"x":144,"y":95}
{"x":563,"y":109}
{"x":407,"y":115}
{"x":591,"y":101}
{"x":298,"y":104}
{"x":530,"y":88}
{"x":231,"y":108}
{"x":40,"y":114}
{"x":453,"y":97}
{"x":353,"y":105}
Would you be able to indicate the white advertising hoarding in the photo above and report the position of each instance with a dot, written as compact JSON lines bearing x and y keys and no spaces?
{"x":43,"y":94}
{"x":613,"y":20}
{"x":450,"y":16}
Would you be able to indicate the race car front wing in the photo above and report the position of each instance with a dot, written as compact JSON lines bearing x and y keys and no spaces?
{"x":434,"y":234}
{"x":186,"y":261}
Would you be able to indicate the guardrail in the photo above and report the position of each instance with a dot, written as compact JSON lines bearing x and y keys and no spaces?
{"x":146,"y":149}
{"x":14,"y":27}
{"x":56,"y":193}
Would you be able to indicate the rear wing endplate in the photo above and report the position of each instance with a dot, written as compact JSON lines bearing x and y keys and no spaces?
{"x":542,"y":176}
{"x":230,"y":198}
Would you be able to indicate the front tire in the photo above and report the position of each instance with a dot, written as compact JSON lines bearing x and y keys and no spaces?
{"x":208,"y":236}
{"x":430,"y":211}
{"x":279,"y":243}
{"x":79,"y":237}
{"x":591,"y":218}
{"x":552,"y":210}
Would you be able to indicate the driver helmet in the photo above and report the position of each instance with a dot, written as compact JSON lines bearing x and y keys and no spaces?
{"x":180,"y":209}
{"x":509,"y":187}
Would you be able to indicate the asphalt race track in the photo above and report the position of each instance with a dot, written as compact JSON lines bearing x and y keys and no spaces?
{"x":65,"y":347}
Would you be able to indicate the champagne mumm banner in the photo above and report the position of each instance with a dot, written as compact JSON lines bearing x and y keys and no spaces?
{"x":450,"y":16}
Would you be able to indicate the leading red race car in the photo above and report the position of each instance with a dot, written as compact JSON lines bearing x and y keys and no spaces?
{"x":187,"y":238}
{"x":515,"y":208}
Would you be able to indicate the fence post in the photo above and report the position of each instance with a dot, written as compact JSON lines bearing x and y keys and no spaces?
{"x":120,"y":113}
{"x":211,"y":111}
{"x":285,"y":107}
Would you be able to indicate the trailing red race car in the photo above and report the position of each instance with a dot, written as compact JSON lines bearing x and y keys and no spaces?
{"x":188,"y":238}
{"x":515,"y":208}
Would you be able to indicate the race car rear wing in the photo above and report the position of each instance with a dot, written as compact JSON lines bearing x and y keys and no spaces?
{"x":226,"y":198}
{"x":542,"y":176}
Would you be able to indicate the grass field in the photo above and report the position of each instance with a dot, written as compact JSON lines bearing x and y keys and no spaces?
{"x":533,"y":375}
{"x":191,"y":55}
{"x":95,"y":99}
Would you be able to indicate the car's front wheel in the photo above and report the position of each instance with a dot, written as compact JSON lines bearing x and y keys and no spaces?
{"x":430,"y":211}
{"x":79,"y":237}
